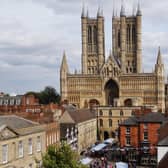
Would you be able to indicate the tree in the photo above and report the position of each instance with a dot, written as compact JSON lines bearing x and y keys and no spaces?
{"x":61,"y":157}
{"x":46,"y":96}
{"x":49,"y":95}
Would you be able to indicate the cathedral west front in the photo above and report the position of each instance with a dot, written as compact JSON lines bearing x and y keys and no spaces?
{"x":117,"y":80}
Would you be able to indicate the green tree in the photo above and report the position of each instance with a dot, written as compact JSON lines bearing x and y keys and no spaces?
{"x":48,"y":95}
{"x":61,"y":157}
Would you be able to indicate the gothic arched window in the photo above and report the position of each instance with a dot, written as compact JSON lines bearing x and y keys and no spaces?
{"x":89,"y":34}
{"x":119,"y":41}
{"x":95,"y":35}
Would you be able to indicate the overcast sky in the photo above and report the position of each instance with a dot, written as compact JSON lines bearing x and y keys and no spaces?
{"x":34,"y":34}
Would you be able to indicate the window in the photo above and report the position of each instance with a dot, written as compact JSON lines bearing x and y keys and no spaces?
{"x":145,"y":126}
{"x":128,"y":130}
{"x":27,"y":101}
{"x":101,"y":113}
{"x":110,"y":122}
{"x":128,"y":141}
{"x":101,"y":123}
{"x":18,"y":101}
{"x":145,"y":136}
{"x":20,"y":149}
{"x":6,"y":102}
{"x":110,"y":113}
{"x":12,"y":101}
{"x":38,"y":144}
{"x":30,"y":146}
{"x":121,"y":113}
{"x":4,"y":154}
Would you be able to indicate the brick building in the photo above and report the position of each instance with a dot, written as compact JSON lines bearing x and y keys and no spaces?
{"x":139,"y":135}
{"x":163,"y":144}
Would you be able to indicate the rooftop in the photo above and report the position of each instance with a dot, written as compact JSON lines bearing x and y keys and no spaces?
{"x":16,"y":122}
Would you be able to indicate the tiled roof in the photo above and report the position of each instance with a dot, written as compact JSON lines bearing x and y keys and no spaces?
{"x":153,"y":118}
{"x":148,"y":118}
{"x":20,"y":125}
{"x":163,"y":142}
{"x":16,"y":122}
{"x":82,"y":115}
{"x":130,"y":121}
{"x":164,"y":161}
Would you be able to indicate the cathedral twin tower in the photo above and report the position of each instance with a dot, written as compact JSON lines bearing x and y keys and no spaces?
{"x":117,"y":81}
{"x":126,"y":38}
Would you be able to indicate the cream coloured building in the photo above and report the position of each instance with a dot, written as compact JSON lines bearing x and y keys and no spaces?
{"x":79,"y":128}
{"x":117,"y":80}
{"x":22,"y":143}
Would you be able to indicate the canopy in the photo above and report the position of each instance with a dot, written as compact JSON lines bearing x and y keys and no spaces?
{"x":86,"y":161}
{"x":99,"y":147}
{"x":121,"y":165}
{"x":109,"y":141}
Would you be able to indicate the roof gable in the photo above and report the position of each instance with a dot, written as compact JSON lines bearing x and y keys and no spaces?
{"x":7,"y":133}
{"x":66,"y":118}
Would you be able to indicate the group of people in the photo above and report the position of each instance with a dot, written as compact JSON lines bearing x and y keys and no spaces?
{"x":101,"y":163}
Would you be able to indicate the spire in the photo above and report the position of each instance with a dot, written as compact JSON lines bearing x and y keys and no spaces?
{"x":83,"y":11}
{"x":122,"y":12}
{"x":64,"y":62}
{"x":139,"y":12}
{"x":98,"y":12}
{"x":159,"y":58}
{"x":87,"y":12}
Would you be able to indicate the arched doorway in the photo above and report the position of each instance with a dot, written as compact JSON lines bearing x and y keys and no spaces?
{"x":93,"y":103}
{"x":106,"y":135}
{"x":113,"y":135}
{"x":111,"y":92}
{"x":128,"y":103}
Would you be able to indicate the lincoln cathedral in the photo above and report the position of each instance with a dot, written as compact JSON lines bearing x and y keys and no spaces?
{"x":117,"y":80}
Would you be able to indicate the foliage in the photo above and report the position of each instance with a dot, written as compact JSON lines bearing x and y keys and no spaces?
{"x":46,"y":96}
{"x":61,"y":157}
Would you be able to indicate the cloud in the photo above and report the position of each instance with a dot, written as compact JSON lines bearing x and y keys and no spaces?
{"x":34,"y":34}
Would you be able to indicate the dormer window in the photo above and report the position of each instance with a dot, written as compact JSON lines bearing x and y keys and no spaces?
{"x":12,"y":101}
{"x":18,"y":101}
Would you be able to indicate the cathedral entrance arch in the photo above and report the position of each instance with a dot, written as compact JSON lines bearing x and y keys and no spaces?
{"x":93,"y":103}
{"x":128,"y":103}
{"x":111,"y":92}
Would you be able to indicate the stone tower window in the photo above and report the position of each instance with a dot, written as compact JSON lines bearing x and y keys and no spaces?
{"x":95,"y":35}
{"x":89,"y":34}
{"x":119,"y":41}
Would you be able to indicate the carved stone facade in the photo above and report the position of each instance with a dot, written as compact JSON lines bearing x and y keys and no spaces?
{"x":117,"y":81}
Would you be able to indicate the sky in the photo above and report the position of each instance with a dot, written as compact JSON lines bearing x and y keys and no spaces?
{"x":34,"y":34}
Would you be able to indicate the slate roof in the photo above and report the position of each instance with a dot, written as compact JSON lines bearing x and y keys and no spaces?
{"x":82,"y":115}
{"x":16,"y":122}
{"x":148,"y":118}
{"x":163,"y":142}
{"x":164,"y":161}
{"x":153,"y":118}
{"x":130,"y":121}
{"x":20,"y":125}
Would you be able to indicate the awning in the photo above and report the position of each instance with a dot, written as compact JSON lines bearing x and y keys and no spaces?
{"x":99,"y":147}
{"x":121,"y":165}
{"x":86,"y":161}
{"x":109,"y":141}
